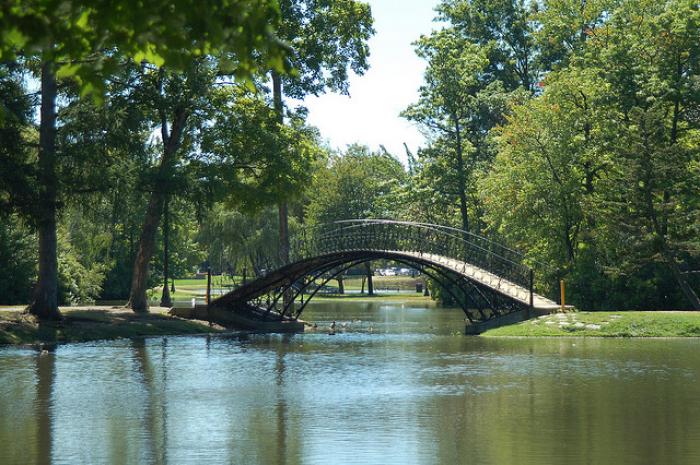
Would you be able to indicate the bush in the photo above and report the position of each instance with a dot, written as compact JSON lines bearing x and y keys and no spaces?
{"x":18,"y":262}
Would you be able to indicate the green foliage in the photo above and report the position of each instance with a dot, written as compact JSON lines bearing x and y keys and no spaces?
{"x":504,"y":30}
{"x":598,"y":174}
{"x":564,"y":26}
{"x":255,"y":160}
{"x":79,"y":278}
{"x":241,"y":243}
{"x":328,"y":38}
{"x":165,"y":33}
{"x":356,"y":184}
{"x":17,"y":170}
{"x":18,"y":259}
{"x":594,"y":171}
{"x":464,"y":96}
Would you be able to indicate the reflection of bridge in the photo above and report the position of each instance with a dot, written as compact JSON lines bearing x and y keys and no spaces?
{"x":489,"y":281}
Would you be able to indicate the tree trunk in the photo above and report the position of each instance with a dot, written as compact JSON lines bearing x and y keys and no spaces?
{"x":461,"y":178}
{"x":370,"y":285}
{"x":341,"y":285}
{"x":284,"y":233}
{"x":138,"y":301}
{"x":283,"y":209}
{"x":165,"y":300}
{"x":45,"y":302}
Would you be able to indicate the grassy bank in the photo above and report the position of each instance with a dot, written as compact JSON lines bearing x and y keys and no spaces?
{"x":388,"y":282}
{"x":378,"y":297}
{"x":88,"y":324}
{"x":186,"y":289}
{"x":607,"y":324}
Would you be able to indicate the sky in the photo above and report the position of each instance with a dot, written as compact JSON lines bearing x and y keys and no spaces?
{"x":370,"y":115}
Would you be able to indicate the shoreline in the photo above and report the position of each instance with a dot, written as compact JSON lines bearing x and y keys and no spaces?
{"x":94,"y":323}
{"x":621,"y":324}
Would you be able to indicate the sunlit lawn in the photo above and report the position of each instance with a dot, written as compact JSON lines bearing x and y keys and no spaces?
{"x":607,"y":324}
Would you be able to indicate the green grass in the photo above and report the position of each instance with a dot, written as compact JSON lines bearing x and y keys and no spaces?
{"x":185,"y":289}
{"x":607,"y":324}
{"x":381,"y":296}
{"x":191,"y":282}
{"x":401,"y":282}
{"x":90,"y":325}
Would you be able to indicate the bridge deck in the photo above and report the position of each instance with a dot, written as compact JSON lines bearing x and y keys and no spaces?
{"x":484,"y":278}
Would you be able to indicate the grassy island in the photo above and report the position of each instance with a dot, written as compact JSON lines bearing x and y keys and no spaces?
{"x":81,"y":324}
{"x":607,"y":324}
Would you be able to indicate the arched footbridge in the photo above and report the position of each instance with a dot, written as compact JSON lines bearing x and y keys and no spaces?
{"x":489,"y":281}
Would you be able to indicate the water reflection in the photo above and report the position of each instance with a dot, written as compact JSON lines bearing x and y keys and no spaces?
{"x":45,"y":367}
{"x":153,"y":382}
{"x":411,"y":391}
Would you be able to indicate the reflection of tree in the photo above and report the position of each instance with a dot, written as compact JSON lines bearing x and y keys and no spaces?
{"x":154,"y":418}
{"x":45,"y":374}
{"x":281,"y":409}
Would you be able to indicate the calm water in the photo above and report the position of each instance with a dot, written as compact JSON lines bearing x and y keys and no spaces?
{"x":400,"y":386}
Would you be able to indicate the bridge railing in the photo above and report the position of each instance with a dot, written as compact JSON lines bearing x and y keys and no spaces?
{"x":422,"y":238}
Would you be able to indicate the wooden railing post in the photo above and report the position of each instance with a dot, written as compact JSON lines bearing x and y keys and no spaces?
{"x":562,"y":289}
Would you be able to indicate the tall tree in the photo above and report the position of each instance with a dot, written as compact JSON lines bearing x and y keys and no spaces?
{"x":540,"y":192}
{"x":457,"y":106}
{"x":328,"y":39}
{"x":177,"y":100}
{"x":601,"y":169}
{"x":505,"y":30}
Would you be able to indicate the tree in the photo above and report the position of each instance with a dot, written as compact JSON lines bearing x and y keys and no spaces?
{"x":328,"y":38}
{"x":540,"y":193}
{"x":504,"y":29}
{"x":456,"y":108}
{"x":179,"y":102}
{"x":356,"y":184}
{"x":564,"y":26}
{"x":599,"y":173}
{"x":652,"y":192}
{"x":165,"y":33}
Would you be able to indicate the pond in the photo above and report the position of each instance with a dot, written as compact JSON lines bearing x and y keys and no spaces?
{"x":399,"y":383}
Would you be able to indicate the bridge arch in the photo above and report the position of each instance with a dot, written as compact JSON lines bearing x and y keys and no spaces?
{"x":485,"y":278}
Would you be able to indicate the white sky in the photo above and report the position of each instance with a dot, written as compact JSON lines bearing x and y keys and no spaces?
{"x":370,"y":115}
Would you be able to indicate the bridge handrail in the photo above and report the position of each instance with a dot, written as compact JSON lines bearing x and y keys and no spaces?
{"x":441,"y":231}
{"x":439,"y":227}
{"x":452,"y":242}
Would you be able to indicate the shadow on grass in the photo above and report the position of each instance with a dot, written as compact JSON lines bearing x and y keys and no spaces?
{"x":90,"y":325}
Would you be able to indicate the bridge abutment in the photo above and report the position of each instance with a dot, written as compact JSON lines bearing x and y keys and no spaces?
{"x":477,"y":328}
{"x":236,"y":320}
